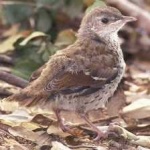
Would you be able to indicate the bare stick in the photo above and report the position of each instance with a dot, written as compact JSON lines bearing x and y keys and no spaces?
{"x":6,"y":59}
{"x":12,"y":79}
{"x":131,"y":9}
{"x":4,"y":92}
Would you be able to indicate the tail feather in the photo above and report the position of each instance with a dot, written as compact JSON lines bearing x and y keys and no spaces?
{"x":14,"y":102}
{"x":24,"y":100}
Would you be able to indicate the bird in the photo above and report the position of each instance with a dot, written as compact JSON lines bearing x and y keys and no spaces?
{"x":83,"y":76}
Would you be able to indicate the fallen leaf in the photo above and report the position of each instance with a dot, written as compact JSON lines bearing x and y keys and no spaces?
{"x":88,"y":2}
{"x":65,"y":38}
{"x":19,"y":115}
{"x":116,"y":103}
{"x":134,"y":139}
{"x":139,"y":109}
{"x":59,"y":146}
{"x":8,"y":44}
{"x":14,"y":145}
{"x":33,"y":36}
{"x":12,"y":31}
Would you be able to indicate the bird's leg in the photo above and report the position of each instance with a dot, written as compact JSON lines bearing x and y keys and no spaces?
{"x":100,"y":134}
{"x":64,"y":127}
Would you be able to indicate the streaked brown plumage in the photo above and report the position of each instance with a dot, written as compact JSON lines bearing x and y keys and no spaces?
{"x":83,"y":76}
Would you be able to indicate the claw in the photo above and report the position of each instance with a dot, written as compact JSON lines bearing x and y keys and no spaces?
{"x":100,"y":135}
{"x":64,"y":127}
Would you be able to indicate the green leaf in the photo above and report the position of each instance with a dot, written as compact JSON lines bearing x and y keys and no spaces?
{"x":97,"y":3}
{"x":73,"y":8}
{"x":49,"y":51}
{"x":16,"y":13}
{"x":43,"y":20}
{"x":31,"y":53}
{"x":27,"y":61}
{"x":34,"y":35}
{"x":8,"y":44}
{"x":65,"y":38}
{"x":49,"y":3}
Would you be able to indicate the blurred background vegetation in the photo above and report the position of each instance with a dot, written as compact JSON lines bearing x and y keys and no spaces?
{"x":58,"y":19}
{"x":32,"y":30}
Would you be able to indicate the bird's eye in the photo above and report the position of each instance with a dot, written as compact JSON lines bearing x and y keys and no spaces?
{"x":105,"y":20}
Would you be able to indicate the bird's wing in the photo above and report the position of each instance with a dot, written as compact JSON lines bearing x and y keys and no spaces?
{"x":83,"y":81}
{"x":59,"y":76}
{"x":37,"y":73}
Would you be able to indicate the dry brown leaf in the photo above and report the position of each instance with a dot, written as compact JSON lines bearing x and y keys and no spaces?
{"x":14,"y":145}
{"x":40,"y":138}
{"x":30,"y":125}
{"x":59,"y":146}
{"x":8,"y":44}
{"x":65,"y":38}
{"x":12,"y":31}
{"x":88,"y":2}
{"x":42,"y":120}
{"x":142,"y":148}
{"x":139,"y":109}
{"x":116,"y":103}
{"x":143,"y":141}
{"x":17,"y":116}
{"x":132,"y":138}
{"x":55,"y":129}
{"x":140,"y":70}
{"x":23,"y":132}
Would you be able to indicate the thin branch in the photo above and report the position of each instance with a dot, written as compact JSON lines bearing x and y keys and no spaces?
{"x":12,"y":79}
{"x":17,"y":2}
{"x":131,"y":9}
{"x":6,"y":59}
{"x":4,"y":92}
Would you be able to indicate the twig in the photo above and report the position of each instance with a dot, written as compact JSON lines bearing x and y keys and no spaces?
{"x":6,"y":59}
{"x":132,"y":138}
{"x":17,"y":2}
{"x":12,"y":79}
{"x":101,"y":120}
{"x":4,"y":127}
{"x":129,"y":8}
{"x":4,"y":92}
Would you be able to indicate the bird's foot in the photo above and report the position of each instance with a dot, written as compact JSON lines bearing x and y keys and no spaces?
{"x":64,"y":128}
{"x":100,"y":135}
{"x":106,"y":133}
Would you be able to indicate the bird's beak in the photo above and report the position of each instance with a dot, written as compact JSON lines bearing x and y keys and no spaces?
{"x":129,"y":18}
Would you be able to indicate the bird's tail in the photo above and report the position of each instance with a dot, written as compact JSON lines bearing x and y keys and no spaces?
{"x":24,"y":100}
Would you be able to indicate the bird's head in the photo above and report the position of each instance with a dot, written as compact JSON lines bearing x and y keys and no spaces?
{"x":103,"y":21}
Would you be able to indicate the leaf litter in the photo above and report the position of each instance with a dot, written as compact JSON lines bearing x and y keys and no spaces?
{"x":127,"y":113}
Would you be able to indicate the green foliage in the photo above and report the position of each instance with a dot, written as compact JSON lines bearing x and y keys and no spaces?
{"x":31,"y":53}
{"x":16,"y":13}
{"x":73,"y":8}
{"x":53,"y":17}
{"x":49,"y":3}
{"x":43,"y":20}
